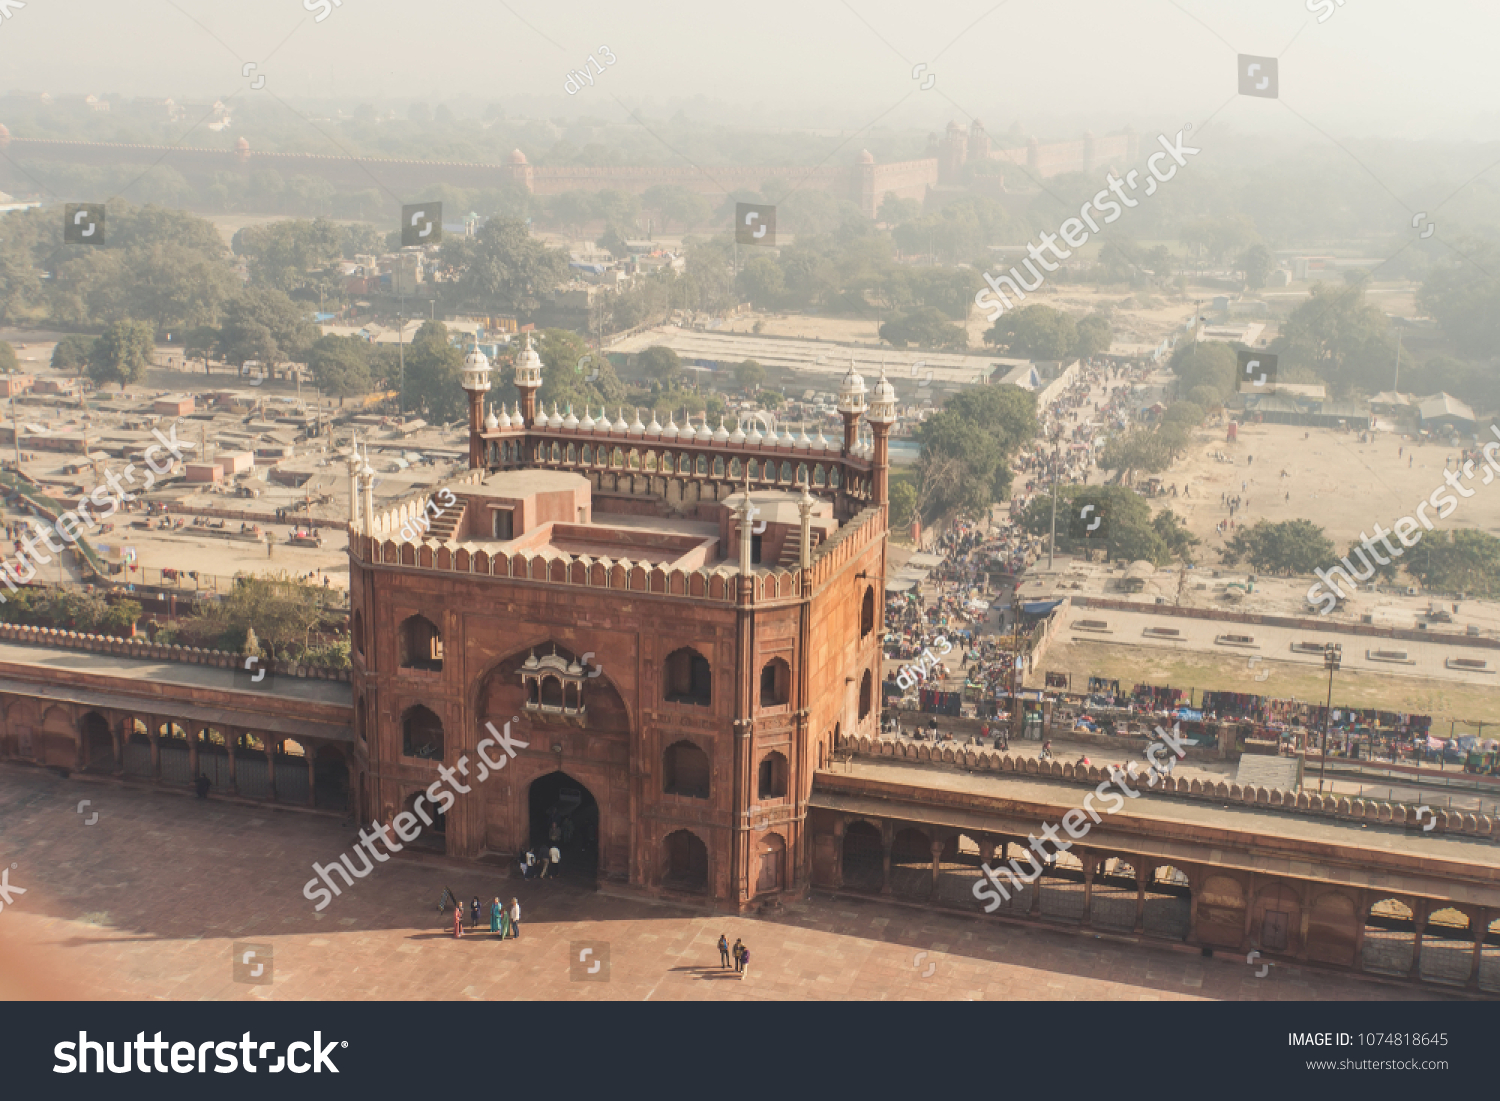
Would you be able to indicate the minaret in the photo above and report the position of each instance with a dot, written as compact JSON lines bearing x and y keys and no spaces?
{"x":353,"y":464}
{"x":528,"y":382}
{"x":476,"y":384}
{"x":744,"y":514}
{"x":369,"y":495}
{"x":881,"y":416}
{"x":804,"y":510}
{"x":851,"y":406}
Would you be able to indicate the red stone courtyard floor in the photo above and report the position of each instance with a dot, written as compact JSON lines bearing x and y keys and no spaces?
{"x":151,"y":899}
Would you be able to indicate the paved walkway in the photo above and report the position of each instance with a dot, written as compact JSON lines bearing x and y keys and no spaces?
{"x":160,"y":895}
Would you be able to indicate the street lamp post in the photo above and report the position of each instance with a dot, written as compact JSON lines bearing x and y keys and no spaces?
{"x":1333,"y":656}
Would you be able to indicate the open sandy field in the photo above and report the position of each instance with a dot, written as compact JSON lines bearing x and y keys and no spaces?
{"x":1329,"y":478}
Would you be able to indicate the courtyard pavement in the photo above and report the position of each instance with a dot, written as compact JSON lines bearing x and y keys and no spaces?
{"x":161,"y":894}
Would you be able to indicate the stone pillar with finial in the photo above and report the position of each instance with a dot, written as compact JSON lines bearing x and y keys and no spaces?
{"x":352,"y":463}
{"x":804,"y":510}
{"x":851,"y":406}
{"x":881,"y":417}
{"x":476,"y":383}
{"x":528,"y":379}
{"x":744,"y":515}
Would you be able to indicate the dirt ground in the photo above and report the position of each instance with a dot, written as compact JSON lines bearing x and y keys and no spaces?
{"x":1322,"y":475}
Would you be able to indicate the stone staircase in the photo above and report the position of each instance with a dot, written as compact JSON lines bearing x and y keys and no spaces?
{"x":446,"y":522}
{"x":791,"y":549}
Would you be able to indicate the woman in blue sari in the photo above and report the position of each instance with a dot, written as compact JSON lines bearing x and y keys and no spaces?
{"x":497,"y":918}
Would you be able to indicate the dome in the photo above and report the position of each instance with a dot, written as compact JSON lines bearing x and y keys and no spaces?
{"x":852,"y":391}
{"x":476,"y":372}
{"x":620,"y":425}
{"x":504,"y":416}
{"x":555,"y":421}
{"x":883,"y":406}
{"x":528,"y":367}
{"x":241,"y":145}
{"x":804,"y":441}
{"x":491,"y":422}
{"x":587,"y":424}
{"x":721,"y":434}
{"x":570,"y":421}
{"x":654,"y":428}
{"x":636,"y":427}
{"x":671,"y":431}
{"x":705,"y":433}
{"x":756,"y":435}
{"x":821,"y":443}
{"x":517,"y":157}
{"x":865,"y":157}
{"x":531,"y":662}
{"x":739,"y":432}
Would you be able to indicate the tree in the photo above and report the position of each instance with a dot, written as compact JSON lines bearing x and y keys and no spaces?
{"x":1205,"y":363}
{"x":660,"y":364}
{"x":200,"y":342}
{"x":966,"y":447}
{"x":504,"y":268}
{"x":676,"y":206}
{"x":8,"y":358}
{"x":262,"y":323}
{"x":280,"y":610}
{"x":761,"y":282}
{"x":750,"y":375}
{"x":1285,"y":547}
{"x":1130,"y":532}
{"x":1459,"y":562}
{"x":122,"y":353}
{"x":434,"y":374}
{"x":1095,"y":335}
{"x":903,"y":504}
{"x":1340,"y":336}
{"x":894,"y":210}
{"x":1388,"y":570}
{"x":1034,"y":332}
{"x":1257,"y":264}
{"x":926,"y":327}
{"x":340,"y":366}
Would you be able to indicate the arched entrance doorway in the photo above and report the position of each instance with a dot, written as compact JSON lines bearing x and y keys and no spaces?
{"x":98,"y":743}
{"x":435,"y":836}
{"x":562,"y":809}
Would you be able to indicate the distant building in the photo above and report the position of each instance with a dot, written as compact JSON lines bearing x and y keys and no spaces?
{"x":1445,"y":411}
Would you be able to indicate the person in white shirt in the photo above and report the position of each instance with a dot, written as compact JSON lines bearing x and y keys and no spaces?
{"x":554,"y":861}
{"x":515,"y":918}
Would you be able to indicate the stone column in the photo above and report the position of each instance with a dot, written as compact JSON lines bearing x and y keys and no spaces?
{"x":1479,"y":928}
{"x":1419,"y":922}
{"x":838,"y":852}
{"x":937,"y":864}
{"x":1089,"y":860}
{"x":1363,"y":914}
{"x":231,"y":736}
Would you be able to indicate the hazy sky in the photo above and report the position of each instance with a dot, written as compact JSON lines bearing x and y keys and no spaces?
{"x":1400,"y":68}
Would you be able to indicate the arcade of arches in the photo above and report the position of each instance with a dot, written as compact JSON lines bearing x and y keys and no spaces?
{"x":162,"y":748}
{"x":1420,"y":939}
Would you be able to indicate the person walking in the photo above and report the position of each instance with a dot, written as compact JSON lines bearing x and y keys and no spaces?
{"x":458,"y":919}
{"x":739,"y":946}
{"x":474,"y":913}
{"x":553,"y":862}
{"x":515,"y":919}
{"x":744,"y":962}
{"x":497,"y":915}
{"x":723,"y":950}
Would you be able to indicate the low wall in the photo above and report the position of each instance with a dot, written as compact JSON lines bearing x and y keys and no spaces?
{"x":140,"y":648}
{"x":947,"y":754}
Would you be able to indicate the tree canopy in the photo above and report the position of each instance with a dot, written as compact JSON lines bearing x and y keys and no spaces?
{"x":122,"y":353}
